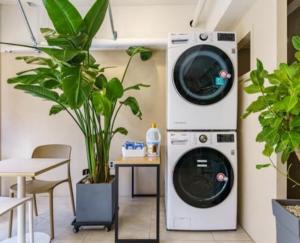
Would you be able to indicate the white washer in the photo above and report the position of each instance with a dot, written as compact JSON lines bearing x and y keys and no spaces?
{"x":202,"y":81}
{"x":201,"y":181}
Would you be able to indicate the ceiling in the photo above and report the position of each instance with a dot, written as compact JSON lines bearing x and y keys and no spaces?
{"x":116,"y":2}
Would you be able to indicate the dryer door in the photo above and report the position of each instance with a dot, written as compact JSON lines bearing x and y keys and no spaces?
{"x":203,"y":177}
{"x":203,"y":74}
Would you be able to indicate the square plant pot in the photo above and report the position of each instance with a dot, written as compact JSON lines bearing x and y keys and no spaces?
{"x":287,"y":224}
{"x":95,"y":203}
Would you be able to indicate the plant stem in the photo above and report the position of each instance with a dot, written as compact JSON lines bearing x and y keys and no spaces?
{"x":115,"y":117}
{"x":285,"y":174}
{"x":126,"y":69}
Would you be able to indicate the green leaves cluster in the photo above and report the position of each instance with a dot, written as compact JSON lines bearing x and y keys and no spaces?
{"x":278,"y":105}
{"x":70,"y":78}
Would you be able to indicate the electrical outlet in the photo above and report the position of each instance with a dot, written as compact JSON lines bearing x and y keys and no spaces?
{"x":111,"y":164}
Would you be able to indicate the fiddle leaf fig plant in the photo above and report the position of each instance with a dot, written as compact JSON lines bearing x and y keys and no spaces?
{"x":70,"y":78}
{"x":278,"y":106}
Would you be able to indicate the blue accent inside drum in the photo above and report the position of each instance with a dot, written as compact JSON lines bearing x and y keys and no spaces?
{"x":219,"y":81}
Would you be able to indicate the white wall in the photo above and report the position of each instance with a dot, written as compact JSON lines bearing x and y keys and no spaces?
{"x":267,"y":22}
{"x":143,"y":21}
{"x":25,"y":120}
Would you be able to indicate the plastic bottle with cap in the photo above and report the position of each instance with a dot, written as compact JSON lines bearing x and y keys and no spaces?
{"x":153,"y":139}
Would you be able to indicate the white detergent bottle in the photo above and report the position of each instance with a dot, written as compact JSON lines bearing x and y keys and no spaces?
{"x":153,"y":139}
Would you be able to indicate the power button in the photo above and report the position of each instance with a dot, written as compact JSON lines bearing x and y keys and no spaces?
{"x":203,"y":36}
{"x":203,"y":138}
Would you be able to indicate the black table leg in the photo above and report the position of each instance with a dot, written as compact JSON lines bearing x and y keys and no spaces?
{"x":132,"y":181}
{"x":117,"y":240}
{"x":117,"y":205}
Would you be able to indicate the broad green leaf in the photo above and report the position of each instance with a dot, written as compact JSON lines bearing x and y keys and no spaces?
{"x":134,"y":106}
{"x":94,"y":18}
{"x":61,"y":54}
{"x":261,"y":166}
{"x":294,"y":138}
{"x":114,"y":88}
{"x":64,"y":16}
{"x":101,"y":81}
{"x":297,"y":56}
{"x":296,"y":42}
{"x":25,"y":79}
{"x":75,"y":89}
{"x":145,"y":53}
{"x":50,"y":83}
{"x":37,"y":60}
{"x":296,"y":110}
{"x":121,"y":130}
{"x":55,"y":109}
{"x":38,"y":92}
{"x":269,"y":135}
{"x":270,"y":90}
{"x":287,"y":104}
{"x":64,"y":41}
{"x":259,"y":65}
{"x":256,"y":106}
{"x":136,"y":87}
{"x":273,"y":79}
{"x":293,"y":100}
{"x":102,"y":104}
{"x":295,"y":122}
{"x":285,"y":155}
{"x":268,"y":150}
{"x":277,"y":122}
{"x":292,"y":70}
{"x":252,"y":89}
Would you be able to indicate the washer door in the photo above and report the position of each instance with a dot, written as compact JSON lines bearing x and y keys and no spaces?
{"x":203,"y":74}
{"x":203,"y":177}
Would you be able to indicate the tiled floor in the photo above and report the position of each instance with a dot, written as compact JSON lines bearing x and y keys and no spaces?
{"x":137,"y":221}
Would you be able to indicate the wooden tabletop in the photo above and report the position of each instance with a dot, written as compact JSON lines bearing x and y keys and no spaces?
{"x":28,"y":167}
{"x":138,"y":161}
{"x":8,"y":203}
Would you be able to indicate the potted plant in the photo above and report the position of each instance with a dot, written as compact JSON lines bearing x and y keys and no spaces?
{"x":70,"y":77}
{"x":278,"y":106}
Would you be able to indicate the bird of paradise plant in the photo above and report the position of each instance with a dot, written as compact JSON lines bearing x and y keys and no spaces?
{"x":70,"y":77}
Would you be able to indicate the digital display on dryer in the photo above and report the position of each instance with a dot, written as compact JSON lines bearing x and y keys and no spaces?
{"x":225,"y":138}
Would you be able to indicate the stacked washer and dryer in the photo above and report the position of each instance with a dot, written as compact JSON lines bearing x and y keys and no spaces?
{"x":201,"y":161}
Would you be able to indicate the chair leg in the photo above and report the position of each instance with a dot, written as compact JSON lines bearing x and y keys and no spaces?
{"x":35,"y":205}
{"x":72,"y":196}
{"x":11,"y":216}
{"x":51,"y":215}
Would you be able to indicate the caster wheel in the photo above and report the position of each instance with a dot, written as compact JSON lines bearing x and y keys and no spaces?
{"x":76,"y":229}
{"x":108,"y":228}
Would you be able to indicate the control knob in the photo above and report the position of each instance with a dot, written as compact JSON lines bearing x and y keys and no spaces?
{"x":203,"y":138}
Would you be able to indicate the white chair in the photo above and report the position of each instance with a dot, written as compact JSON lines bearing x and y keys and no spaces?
{"x":7,"y":204}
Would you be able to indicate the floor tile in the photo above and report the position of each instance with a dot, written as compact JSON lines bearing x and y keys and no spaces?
{"x":137,"y":220}
{"x":238,"y":235}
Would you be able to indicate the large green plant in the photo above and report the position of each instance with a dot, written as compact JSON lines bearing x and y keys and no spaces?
{"x":278,"y":106}
{"x":70,"y":77}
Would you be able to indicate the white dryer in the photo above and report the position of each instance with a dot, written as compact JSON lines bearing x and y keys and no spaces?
{"x":201,"y":181}
{"x":202,"y":81}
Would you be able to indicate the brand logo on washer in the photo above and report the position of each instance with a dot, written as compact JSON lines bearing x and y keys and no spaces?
{"x":221,"y":177}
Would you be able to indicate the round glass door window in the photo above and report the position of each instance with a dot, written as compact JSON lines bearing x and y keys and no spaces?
{"x":203,"y":75}
{"x":203,"y":177}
